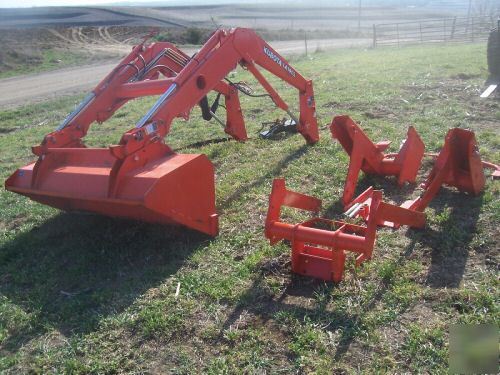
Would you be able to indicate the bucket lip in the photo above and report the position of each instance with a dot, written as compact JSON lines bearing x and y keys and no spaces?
{"x":175,"y":217}
{"x":208,"y":225}
{"x":44,"y":193}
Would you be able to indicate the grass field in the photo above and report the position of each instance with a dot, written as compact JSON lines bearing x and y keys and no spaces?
{"x":40,"y":61}
{"x":88,"y":294}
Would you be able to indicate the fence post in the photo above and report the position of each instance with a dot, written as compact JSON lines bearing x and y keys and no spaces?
{"x":374,"y":35}
{"x":472,"y":29}
{"x":421,"y":38}
{"x":305,"y":40}
{"x":397,"y":32}
{"x":468,"y":17}
{"x":453,"y":26}
{"x":359,"y":17}
{"x":444,"y":30}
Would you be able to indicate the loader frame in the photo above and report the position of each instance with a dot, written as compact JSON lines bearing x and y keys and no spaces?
{"x":141,"y":177}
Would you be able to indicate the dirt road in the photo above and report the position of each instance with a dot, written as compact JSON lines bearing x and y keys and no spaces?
{"x":21,"y":90}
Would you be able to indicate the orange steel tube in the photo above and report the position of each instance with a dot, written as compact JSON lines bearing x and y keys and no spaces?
{"x":143,"y":88}
{"x":389,"y":167}
{"x":335,"y":239}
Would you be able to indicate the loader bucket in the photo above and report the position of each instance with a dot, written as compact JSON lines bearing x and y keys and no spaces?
{"x":173,"y":189}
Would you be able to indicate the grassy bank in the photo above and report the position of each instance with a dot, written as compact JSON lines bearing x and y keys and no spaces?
{"x":35,"y":61}
{"x":84,"y":293}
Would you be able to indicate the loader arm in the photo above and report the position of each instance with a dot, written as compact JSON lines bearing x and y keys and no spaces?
{"x":219,"y":56}
{"x":135,"y":76}
{"x":187,"y":81}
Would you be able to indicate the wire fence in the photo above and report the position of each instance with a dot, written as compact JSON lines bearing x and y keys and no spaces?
{"x":445,"y":30}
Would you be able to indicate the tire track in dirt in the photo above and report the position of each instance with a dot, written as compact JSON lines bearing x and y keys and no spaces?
{"x":104,"y":36}
{"x":110,"y":37}
{"x":76,"y":36}
{"x":57,"y":34}
{"x":84,"y":38}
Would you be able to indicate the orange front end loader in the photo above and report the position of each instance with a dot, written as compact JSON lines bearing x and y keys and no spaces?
{"x":141,"y":177}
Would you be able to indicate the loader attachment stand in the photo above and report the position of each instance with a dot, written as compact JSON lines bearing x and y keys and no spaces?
{"x":141,"y":177}
{"x":319,"y":246}
{"x":459,"y":165}
{"x":369,"y":157}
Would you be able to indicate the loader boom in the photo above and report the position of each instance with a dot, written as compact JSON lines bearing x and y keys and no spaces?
{"x":220,"y":55}
{"x":141,"y":177}
{"x":135,"y":76}
{"x":187,"y":81}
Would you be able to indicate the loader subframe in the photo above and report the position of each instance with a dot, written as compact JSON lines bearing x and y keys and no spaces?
{"x":319,"y":245}
{"x":459,"y":165}
{"x":369,"y":157}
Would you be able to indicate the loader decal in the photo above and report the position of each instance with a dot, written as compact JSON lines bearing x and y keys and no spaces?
{"x":278,"y":61}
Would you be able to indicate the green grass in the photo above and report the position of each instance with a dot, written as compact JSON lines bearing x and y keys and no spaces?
{"x":88,"y":294}
{"x":45,"y":60}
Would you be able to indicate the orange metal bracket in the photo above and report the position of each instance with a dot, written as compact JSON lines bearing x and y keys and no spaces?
{"x":388,"y":215}
{"x":369,"y":157}
{"x":458,"y":164}
{"x":393,"y":215}
{"x":319,"y":245}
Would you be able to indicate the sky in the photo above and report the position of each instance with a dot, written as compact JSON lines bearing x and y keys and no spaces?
{"x":39,"y":3}
{"x":31,"y":3}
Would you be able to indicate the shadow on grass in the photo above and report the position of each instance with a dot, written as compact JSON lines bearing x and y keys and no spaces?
{"x":260,"y":301}
{"x":75,"y":269}
{"x":448,"y":258}
{"x":204,"y":143}
{"x":349,"y":335}
{"x":388,"y":184}
{"x":449,"y":245}
{"x":334,"y":211}
{"x":268,"y":176}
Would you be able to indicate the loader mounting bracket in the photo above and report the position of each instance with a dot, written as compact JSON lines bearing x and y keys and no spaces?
{"x":319,"y":245}
{"x":369,"y":157}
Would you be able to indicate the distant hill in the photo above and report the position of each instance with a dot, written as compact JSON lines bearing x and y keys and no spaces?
{"x":338,"y":15}
{"x":77,"y":16}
